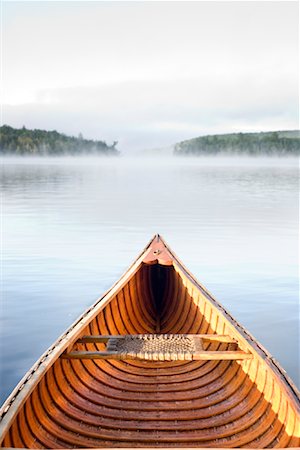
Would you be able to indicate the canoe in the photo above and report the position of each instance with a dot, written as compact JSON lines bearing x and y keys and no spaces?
{"x":155,"y":362}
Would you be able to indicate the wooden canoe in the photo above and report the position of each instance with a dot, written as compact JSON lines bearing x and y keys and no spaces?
{"x":155,"y":362}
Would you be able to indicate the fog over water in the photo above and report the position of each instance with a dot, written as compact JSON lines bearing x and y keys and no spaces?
{"x":72,"y":226}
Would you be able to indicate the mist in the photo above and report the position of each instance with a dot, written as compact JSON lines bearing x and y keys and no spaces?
{"x":154,"y":115}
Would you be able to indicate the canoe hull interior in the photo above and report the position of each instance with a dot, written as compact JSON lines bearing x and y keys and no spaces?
{"x":96,"y":403}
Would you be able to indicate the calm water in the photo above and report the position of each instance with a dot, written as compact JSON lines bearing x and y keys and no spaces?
{"x":72,"y":226}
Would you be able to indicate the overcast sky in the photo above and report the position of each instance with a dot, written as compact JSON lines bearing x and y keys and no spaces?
{"x":150,"y":74}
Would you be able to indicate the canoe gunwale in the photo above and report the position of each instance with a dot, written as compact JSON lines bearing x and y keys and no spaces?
{"x":25,"y":387}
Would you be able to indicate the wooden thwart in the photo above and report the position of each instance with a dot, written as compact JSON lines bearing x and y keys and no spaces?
{"x":205,"y":356}
{"x":158,"y":347}
{"x":208,"y":337}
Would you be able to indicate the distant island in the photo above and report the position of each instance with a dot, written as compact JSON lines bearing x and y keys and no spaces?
{"x":269,"y":143}
{"x":22,"y":141}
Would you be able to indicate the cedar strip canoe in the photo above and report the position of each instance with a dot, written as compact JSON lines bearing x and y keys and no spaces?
{"x":156,"y":362}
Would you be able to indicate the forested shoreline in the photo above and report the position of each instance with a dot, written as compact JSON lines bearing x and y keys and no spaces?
{"x":265,"y":143}
{"x":37,"y":142}
{"x":18,"y":142}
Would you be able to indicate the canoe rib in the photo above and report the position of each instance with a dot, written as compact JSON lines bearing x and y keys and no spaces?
{"x":108,"y":403}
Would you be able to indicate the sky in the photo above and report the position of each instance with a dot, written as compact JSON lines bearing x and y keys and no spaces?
{"x":150,"y":74}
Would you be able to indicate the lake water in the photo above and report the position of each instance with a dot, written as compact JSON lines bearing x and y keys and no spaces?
{"x":71,"y":227}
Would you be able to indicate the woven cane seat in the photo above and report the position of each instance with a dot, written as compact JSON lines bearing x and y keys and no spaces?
{"x":158,"y":347}
{"x":155,"y":346}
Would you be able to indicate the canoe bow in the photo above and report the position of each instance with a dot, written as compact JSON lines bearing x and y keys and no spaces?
{"x":155,"y":362}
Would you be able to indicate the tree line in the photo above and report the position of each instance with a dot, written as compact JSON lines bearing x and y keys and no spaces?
{"x":268,"y":143}
{"x":22,"y":141}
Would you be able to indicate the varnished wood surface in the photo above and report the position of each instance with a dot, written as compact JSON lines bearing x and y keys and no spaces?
{"x":181,"y":448}
{"x":96,"y":403}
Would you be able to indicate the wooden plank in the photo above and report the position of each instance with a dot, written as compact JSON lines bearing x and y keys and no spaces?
{"x":92,"y":355}
{"x":199,"y":356}
{"x":98,"y":339}
{"x":215,"y":337}
{"x":103,"y":339}
{"x":221,"y":355}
